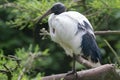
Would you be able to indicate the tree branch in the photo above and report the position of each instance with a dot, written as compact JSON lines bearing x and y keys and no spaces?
{"x":87,"y":63}
{"x":106,"y":32}
{"x":104,"y":72}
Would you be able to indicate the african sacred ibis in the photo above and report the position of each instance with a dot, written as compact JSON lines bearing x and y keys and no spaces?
{"x":73,"y":32}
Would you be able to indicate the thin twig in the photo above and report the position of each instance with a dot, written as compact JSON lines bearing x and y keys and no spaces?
{"x":107,"y":32}
{"x":7,"y":5}
{"x":93,"y":14}
{"x":8,"y":72}
{"x":113,"y":51}
{"x":27,"y":66}
{"x":3,"y":71}
{"x":22,"y":73}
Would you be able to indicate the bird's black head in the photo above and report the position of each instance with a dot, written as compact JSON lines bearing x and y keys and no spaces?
{"x":58,"y":8}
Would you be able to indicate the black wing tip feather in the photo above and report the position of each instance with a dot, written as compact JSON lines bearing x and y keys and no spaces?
{"x":90,"y":48}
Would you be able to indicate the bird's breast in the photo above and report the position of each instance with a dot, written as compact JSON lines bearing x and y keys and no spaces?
{"x":64,"y":28}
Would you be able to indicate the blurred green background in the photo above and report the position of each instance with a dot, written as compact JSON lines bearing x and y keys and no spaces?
{"x":19,"y":36}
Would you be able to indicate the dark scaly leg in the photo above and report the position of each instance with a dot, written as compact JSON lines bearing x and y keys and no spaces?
{"x":73,"y":66}
{"x":73,"y":72}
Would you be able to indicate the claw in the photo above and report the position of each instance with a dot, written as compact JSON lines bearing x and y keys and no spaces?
{"x":74,"y":73}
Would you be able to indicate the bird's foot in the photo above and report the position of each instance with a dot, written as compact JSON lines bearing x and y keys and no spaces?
{"x":71,"y":74}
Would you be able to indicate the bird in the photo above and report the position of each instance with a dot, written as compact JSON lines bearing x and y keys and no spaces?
{"x":73,"y":32}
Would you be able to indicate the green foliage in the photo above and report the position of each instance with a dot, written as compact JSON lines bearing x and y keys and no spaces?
{"x":12,"y":38}
{"x":17,"y":21}
{"x":105,"y":4}
{"x":19,"y":64}
{"x":25,"y":12}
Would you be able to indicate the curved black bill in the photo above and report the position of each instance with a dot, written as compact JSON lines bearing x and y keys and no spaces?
{"x":44,"y":15}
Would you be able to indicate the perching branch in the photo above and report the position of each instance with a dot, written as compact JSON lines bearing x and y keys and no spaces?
{"x":104,"y":72}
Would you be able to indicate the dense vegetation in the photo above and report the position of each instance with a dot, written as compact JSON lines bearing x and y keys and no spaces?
{"x":23,"y":52}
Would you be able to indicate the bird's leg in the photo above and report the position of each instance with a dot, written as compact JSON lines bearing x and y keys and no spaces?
{"x":73,"y":66}
{"x":73,"y":72}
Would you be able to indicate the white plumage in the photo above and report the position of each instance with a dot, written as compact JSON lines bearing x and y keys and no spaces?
{"x":63,"y":28}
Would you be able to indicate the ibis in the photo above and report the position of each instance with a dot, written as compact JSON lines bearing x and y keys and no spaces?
{"x":73,"y":32}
